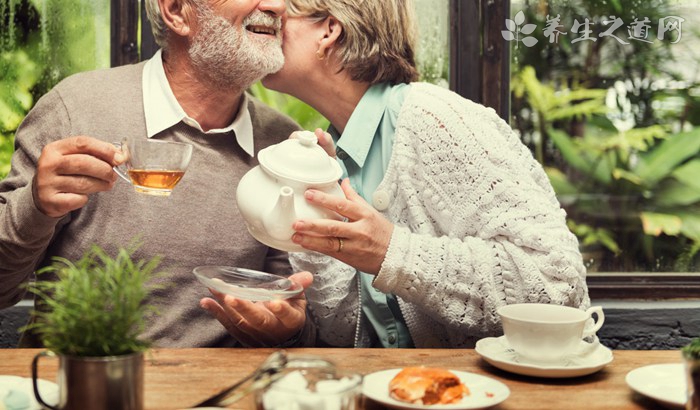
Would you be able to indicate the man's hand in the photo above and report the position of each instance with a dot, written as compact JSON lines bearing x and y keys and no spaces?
{"x":71,"y":169}
{"x":261,"y":324}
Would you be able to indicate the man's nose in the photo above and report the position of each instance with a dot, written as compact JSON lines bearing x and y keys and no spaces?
{"x":277,"y":7}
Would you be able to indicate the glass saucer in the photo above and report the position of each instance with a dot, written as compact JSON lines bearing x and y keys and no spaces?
{"x":246,"y":284}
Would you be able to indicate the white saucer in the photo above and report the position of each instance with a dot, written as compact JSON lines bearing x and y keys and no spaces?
{"x":664,"y":383}
{"x":23,"y":385}
{"x":485,"y":392}
{"x":497,"y":352}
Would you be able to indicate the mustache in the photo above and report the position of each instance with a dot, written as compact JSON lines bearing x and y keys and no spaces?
{"x":258,"y":18}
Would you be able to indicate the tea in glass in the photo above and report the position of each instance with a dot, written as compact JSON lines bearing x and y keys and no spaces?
{"x":154,"y":167}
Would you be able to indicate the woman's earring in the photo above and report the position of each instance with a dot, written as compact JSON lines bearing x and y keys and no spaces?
{"x":320,"y":54}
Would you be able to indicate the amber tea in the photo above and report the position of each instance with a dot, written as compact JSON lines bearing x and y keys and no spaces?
{"x":154,"y":167}
{"x":155,"y":178}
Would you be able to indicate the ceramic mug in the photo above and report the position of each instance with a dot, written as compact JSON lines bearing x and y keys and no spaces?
{"x":545,"y":334}
{"x":153,"y":166}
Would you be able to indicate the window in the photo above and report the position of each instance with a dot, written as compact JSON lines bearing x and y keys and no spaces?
{"x":41,"y":42}
{"x":605,"y":92}
{"x":607,"y":96}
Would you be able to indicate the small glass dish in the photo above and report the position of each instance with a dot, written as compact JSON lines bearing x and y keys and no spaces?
{"x":312,"y":388}
{"x":246,"y":284}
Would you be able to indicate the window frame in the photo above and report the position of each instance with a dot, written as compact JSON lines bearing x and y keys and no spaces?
{"x":477,"y":51}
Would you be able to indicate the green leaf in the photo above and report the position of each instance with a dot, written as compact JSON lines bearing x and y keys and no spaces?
{"x":302,"y":113}
{"x":619,"y":173}
{"x":559,"y":182}
{"x":655,"y":224}
{"x":94,"y":306}
{"x":688,"y":173}
{"x":691,"y":223}
{"x":598,"y":167}
{"x":616,"y":6}
{"x":666,"y":156}
{"x":676,"y":193}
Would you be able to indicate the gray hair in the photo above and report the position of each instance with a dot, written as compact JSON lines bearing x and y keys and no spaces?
{"x":158,"y":27}
{"x":378,"y":39}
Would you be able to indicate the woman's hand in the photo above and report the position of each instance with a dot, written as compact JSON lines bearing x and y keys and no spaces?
{"x":361,"y":242}
{"x":326,"y":142}
{"x":261,"y":324}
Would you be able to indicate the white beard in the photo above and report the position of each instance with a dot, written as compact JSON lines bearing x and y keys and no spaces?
{"x":231,"y":58}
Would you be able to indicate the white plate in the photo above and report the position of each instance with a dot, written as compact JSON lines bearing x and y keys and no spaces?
{"x":246,"y":284}
{"x":23,"y":385}
{"x":485,"y":391}
{"x":664,"y":383}
{"x":497,"y":352}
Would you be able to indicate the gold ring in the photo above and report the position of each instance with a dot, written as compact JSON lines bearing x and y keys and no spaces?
{"x":340,"y":245}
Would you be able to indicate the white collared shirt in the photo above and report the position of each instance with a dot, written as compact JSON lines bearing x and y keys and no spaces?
{"x":162,"y":110}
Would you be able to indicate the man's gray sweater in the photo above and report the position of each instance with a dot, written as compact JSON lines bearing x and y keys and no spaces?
{"x":199,"y":224}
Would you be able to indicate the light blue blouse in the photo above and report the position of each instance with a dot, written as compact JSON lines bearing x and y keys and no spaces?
{"x":363,"y":152}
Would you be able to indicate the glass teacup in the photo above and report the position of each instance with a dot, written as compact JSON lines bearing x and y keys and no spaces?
{"x":153,"y":167}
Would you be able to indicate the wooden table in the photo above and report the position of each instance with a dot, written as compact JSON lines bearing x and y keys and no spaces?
{"x":177,"y":378}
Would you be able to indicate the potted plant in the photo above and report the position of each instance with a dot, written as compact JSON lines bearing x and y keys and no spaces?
{"x":91,"y":313}
{"x":691,"y":355}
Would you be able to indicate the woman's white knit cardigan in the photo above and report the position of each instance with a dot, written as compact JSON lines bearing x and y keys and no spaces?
{"x":477,"y":226}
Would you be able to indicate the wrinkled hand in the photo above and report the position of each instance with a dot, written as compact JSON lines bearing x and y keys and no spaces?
{"x":261,"y":324}
{"x":70,"y":169}
{"x":324,"y":141}
{"x":365,"y":236}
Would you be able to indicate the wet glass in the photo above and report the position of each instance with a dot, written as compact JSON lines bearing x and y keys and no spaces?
{"x":42,"y":42}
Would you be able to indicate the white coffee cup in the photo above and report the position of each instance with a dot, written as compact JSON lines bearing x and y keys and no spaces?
{"x":545,"y":334}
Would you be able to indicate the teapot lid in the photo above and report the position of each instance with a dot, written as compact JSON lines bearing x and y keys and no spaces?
{"x":300,"y":159}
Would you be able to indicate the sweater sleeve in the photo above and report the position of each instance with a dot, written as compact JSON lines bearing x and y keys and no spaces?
{"x":25,"y":232}
{"x":333,"y":299}
{"x":478,"y":225}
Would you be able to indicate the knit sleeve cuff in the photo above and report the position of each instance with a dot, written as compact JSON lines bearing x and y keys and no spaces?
{"x":396,"y":259}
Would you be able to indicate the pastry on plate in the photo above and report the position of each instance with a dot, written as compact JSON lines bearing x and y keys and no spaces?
{"x":427,"y":385}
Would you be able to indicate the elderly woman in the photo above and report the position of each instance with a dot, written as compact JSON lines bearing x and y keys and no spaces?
{"x":448,"y":215}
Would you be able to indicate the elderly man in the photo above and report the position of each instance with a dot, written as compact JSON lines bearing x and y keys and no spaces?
{"x":62,"y":196}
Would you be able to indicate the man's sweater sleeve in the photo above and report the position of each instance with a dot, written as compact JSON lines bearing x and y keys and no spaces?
{"x":25,"y":232}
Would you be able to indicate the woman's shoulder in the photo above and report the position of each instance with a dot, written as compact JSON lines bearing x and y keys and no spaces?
{"x":429,"y":95}
{"x":431,"y":107}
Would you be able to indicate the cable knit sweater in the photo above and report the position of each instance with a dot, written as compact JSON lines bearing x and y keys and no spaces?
{"x":477,"y":226}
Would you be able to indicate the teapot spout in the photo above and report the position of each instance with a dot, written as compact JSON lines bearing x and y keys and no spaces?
{"x":278,"y":222}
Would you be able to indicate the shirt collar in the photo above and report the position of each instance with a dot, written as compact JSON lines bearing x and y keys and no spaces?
{"x":362,"y":126}
{"x":162,"y":109}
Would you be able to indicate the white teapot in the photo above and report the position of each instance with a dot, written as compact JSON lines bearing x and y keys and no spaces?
{"x":271,"y":195}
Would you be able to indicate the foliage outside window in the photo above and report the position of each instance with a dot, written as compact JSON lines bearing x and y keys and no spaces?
{"x":607,"y":95}
{"x":42,"y":42}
